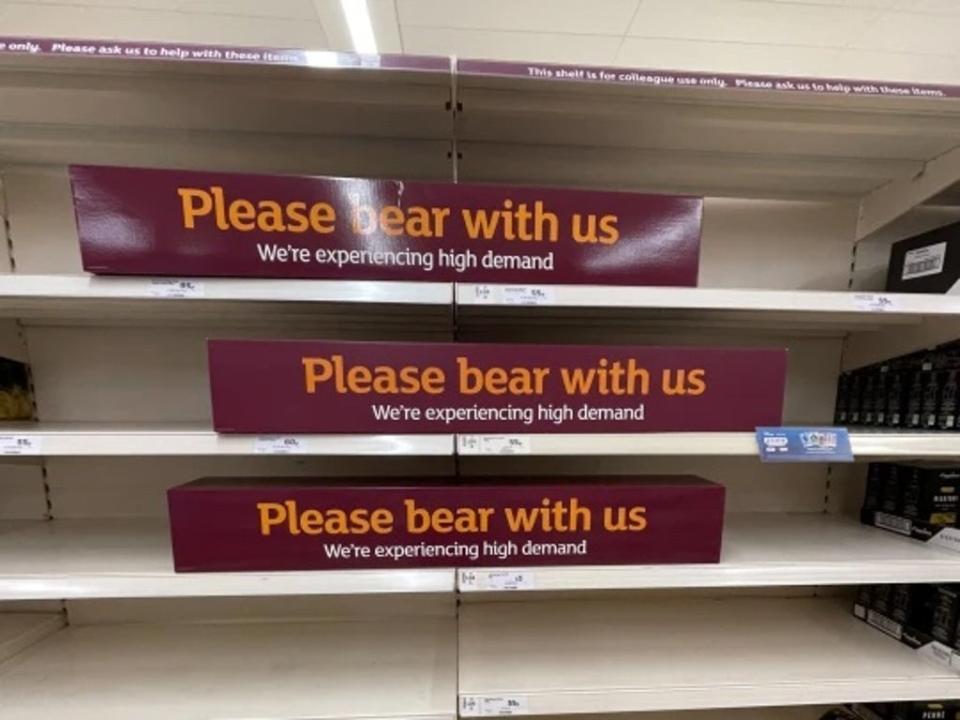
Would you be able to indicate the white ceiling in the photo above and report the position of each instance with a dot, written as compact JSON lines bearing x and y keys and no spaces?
{"x":881,"y":39}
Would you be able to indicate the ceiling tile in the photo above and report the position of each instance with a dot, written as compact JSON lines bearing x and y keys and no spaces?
{"x":708,"y":56}
{"x":597,"y":17}
{"x":943,"y":7}
{"x":494,"y":45}
{"x":877,"y":4}
{"x":301,"y":9}
{"x":913,"y":32}
{"x":43,"y":20}
{"x":383,"y":16}
{"x":901,"y":67}
{"x":753,"y":22}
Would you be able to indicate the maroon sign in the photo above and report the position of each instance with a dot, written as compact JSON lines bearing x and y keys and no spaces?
{"x":135,"y":221}
{"x":371,"y":387}
{"x":231,"y":524}
{"x":595,"y":74}
{"x":228,"y":54}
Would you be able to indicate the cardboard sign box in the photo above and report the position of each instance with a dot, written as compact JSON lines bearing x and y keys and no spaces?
{"x":136,"y":221}
{"x":293,"y":386}
{"x":238,"y":524}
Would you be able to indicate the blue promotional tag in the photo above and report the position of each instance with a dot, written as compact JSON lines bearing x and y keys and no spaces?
{"x":804,"y":444}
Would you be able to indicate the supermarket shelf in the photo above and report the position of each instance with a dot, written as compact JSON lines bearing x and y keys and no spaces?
{"x":702,"y":140}
{"x":561,"y":658}
{"x":831,"y":313}
{"x":759,"y":549}
{"x":400,"y":668}
{"x":324,"y":112}
{"x":186,"y":439}
{"x":92,"y":439}
{"x":128,"y":558}
{"x":19,"y":631}
{"x":149,"y":300}
{"x":867,"y":444}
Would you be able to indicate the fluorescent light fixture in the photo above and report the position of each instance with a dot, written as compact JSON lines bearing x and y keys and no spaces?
{"x":361,"y":29}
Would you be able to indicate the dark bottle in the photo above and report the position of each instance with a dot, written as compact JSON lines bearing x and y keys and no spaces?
{"x":920,"y":371}
{"x":843,"y":400}
{"x":853,"y":404}
{"x":896,"y":394}
{"x":868,"y":397}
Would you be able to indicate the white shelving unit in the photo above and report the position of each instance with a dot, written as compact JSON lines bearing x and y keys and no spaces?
{"x":759,"y":550}
{"x":565,"y":658}
{"x":346,"y":669}
{"x":701,"y":140}
{"x":803,"y":194}
{"x":97,"y":439}
{"x":193,"y":439}
{"x":866,"y":444}
{"x":131,"y":558}
{"x":84,"y":298}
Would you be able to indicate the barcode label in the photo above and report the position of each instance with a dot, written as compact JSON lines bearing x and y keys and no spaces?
{"x":893,"y":522}
{"x":278,"y":445}
{"x":183,"y":289}
{"x":860,"y":611}
{"x":20,"y":445}
{"x":502,"y":580}
{"x":884,"y":624}
{"x":493,"y":444}
{"x":924,"y":261}
{"x":492,"y":705}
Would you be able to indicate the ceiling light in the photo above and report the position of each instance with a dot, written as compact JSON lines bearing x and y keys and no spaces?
{"x":361,"y":29}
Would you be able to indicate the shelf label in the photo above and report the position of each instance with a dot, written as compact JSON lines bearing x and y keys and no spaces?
{"x":493,"y":705}
{"x":884,"y":624}
{"x":493,"y":444}
{"x":494,"y":580}
{"x":894,"y":523}
{"x":21,"y":445}
{"x":947,"y":538}
{"x":872,"y":302}
{"x":804,"y":444}
{"x":279,"y":445}
{"x":180,"y":289}
{"x":938,"y":653}
{"x":513,"y":295}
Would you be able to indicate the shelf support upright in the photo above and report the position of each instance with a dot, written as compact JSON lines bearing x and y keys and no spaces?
{"x":22,"y":347}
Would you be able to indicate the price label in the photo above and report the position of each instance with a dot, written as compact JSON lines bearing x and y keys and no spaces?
{"x":872,"y":302}
{"x":493,"y":444}
{"x":279,"y":445}
{"x":20,"y":445}
{"x":513,"y":295}
{"x":493,"y":705}
{"x":494,"y":580}
{"x":527,"y":295}
{"x":170,"y":288}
